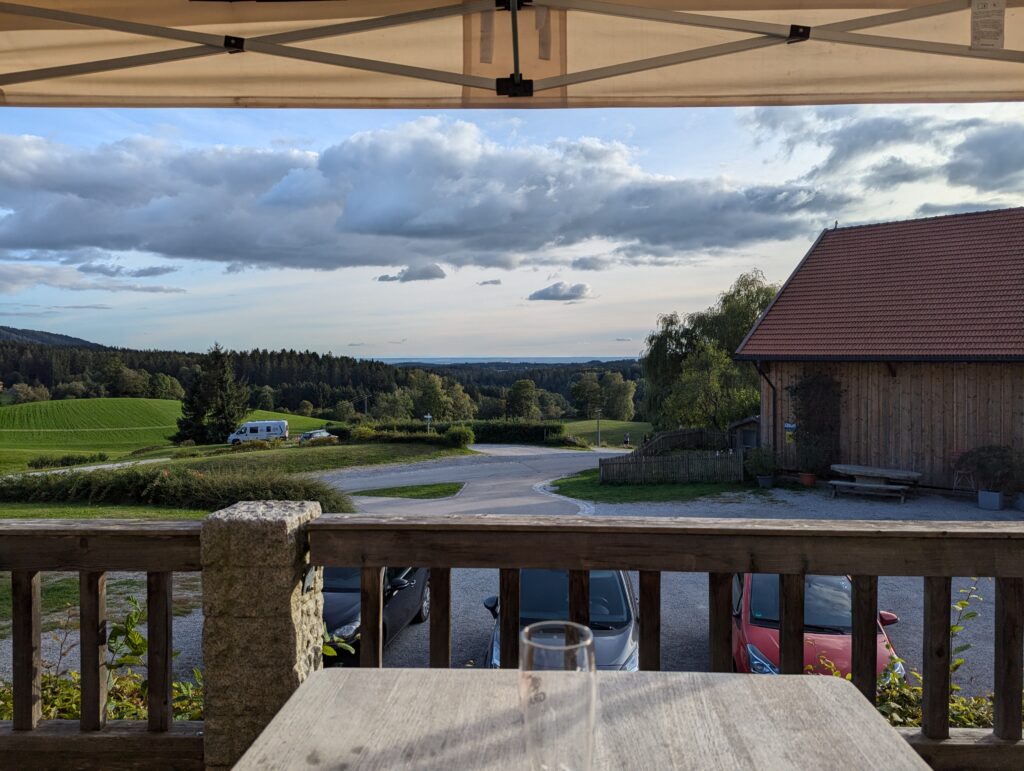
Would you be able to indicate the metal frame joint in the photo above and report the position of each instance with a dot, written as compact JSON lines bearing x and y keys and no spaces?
{"x":798,"y":33}
{"x":513,"y":86}
{"x":233,"y":44}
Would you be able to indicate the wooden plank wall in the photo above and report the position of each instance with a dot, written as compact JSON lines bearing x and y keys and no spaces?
{"x":916,"y":416}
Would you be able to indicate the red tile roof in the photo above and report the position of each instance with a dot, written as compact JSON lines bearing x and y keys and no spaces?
{"x":939,"y":288}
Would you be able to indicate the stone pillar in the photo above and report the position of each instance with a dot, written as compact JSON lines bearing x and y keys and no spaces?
{"x":261,"y":633}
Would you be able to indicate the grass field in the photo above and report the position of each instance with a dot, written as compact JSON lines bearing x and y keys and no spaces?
{"x":437,"y":490}
{"x":89,"y":511}
{"x":612,"y":431}
{"x":295,"y":460}
{"x":587,"y":486}
{"x":113,"y":426}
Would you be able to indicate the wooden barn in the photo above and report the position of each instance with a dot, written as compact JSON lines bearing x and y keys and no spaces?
{"x":922,"y":324}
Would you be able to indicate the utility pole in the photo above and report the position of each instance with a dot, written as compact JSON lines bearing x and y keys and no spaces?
{"x":597,"y":411}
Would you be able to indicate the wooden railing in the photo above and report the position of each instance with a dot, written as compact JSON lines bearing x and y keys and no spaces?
{"x":937,"y":551}
{"x":683,"y":439}
{"x":92,"y":548}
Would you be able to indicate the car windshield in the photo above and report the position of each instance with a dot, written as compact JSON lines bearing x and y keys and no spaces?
{"x":341,"y":579}
{"x":827,"y":602}
{"x":544,"y":596}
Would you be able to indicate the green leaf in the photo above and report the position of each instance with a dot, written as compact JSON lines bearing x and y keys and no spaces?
{"x":961,"y":648}
{"x":329,"y":651}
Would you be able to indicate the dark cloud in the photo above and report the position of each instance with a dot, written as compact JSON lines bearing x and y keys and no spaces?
{"x":939,"y":209}
{"x":562,"y":292}
{"x":15,"y":277}
{"x":592,"y":263}
{"x":894,"y":171}
{"x":990,"y":160}
{"x":439,"y":191}
{"x":112,"y":270}
{"x":489,"y":282}
{"x":623,"y":339}
{"x":416,"y":273}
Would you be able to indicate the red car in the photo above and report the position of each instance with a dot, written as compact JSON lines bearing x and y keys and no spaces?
{"x":828,"y":603}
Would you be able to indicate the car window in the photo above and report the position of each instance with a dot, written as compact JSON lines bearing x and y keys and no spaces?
{"x":828,"y":602}
{"x":254,"y":430}
{"x":544,"y":596}
{"x":341,"y":579}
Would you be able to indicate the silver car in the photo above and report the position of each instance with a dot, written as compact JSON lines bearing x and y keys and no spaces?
{"x":544,"y":596}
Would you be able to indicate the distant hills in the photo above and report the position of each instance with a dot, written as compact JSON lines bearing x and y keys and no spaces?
{"x":43,"y":338}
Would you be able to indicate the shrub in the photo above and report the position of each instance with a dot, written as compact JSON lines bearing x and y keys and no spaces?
{"x":178,"y":487}
{"x":322,"y":441}
{"x":363,"y":434}
{"x":992,"y":466}
{"x":150,"y":448}
{"x":459,"y":436}
{"x":816,"y":402}
{"x":62,"y":461}
{"x":569,"y":440}
{"x":343,"y":433}
{"x":187,"y":443}
{"x":760,"y":462}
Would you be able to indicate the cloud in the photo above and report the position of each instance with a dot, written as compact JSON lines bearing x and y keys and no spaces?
{"x":416,"y":273}
{"x":109,"y":269}
{"x":623,"y":339}
{"x":562,"y":292}
{"x":356,"y":345}
{"x":398,"y":342}
{"x":991,"y":159}
{"x":592,"y":263}
{"x":15,"y":277}
{"x":489,"y":282}
{"x":435,"y":190}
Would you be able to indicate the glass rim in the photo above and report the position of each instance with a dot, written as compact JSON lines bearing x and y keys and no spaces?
{"x":586,"y":635}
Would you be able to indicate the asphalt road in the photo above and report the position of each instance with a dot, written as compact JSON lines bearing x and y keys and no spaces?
{"x":511,"y":480}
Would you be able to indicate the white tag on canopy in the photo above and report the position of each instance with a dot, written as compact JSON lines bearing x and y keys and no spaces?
{"x":988,"y":21}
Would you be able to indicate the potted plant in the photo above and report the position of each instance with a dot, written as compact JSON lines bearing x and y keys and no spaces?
{"x":993,"y":469}
{"x":760,"y":463}
{"x":810,"y":457}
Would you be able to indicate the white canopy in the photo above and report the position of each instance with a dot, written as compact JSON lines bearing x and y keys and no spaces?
{"x":445,"y":53}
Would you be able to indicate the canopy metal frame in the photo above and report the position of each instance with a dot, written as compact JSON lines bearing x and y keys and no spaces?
{"x":281,"y":44}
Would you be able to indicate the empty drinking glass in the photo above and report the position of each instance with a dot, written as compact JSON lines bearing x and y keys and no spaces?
{"x":558,"y":694}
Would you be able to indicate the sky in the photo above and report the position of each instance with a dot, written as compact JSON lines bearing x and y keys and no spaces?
{"x":400,"y":234}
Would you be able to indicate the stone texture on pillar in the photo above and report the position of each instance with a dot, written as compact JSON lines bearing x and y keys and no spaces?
{"x":261,"y":634}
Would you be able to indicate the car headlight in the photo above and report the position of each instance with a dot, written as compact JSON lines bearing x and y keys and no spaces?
{"x":631,"y":664}
{"x":759,"y":663}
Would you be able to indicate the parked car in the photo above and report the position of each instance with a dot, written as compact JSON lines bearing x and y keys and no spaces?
{"x":406,"y":600}
{"x":318,"y":433}
{"x":828,"y":625}
{"x":262,"y":430}
{"x":544,"y":596}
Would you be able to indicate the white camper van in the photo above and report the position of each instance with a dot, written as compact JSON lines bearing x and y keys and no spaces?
{"x":263,"y":430}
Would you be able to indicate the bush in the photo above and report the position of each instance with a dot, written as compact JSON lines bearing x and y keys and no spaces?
{"x":187,"y":443}
{"x":760,"y":462}
{"x":569,"y":440}
{"x":178,"y":487}
{"x":61,"y":461}
{"x":363,"y":434}
{"x":459,"y":436}
{"x":992,"y":466}
{"x":322,"y":441}
{"x":343,"y":433}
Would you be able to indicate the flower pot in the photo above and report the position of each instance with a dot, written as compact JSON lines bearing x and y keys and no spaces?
{"x":1018,"y":502}
{"x":765,"y":482}
{"x":990,"y":500}
{"x":807,"y":479}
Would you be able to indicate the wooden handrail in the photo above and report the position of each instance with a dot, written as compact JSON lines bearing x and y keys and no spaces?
{"x":936,"y":551}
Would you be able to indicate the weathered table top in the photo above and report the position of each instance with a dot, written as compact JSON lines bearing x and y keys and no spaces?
{"x":470,"y":719}
{"x":874,"y":472}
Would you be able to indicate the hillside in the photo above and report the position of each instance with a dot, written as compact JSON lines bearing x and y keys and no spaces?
{"x":108,"y":425}
{"x":43,"y":338}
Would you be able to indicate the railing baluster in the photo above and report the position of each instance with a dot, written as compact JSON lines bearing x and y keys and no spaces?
{"x":508,"y":603}
{"x":440,"y":618}
{"x":791,"y":623}
{"x":865,"y":635}
{"x":92,"y":594}
{"x":935,"y":658}
{"x":720,"y":621}
{"x":650,"y":620}
{"x":1009,"y":658}
{"x":579,"y":596}
{"x":159,"y":656}
{"x":371,"y":623}
{"x":26,"y":649}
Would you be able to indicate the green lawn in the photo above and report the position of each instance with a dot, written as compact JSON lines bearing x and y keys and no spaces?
{"x":294,"y":460}
{"x":89,"y":511}
{"x":587,"y":486}
{"x":612,"y":431}
{"x":114,"y":426}
{"x":438,"y":490}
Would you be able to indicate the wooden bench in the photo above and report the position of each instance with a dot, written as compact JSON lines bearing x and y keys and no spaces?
{"x":869,"y":488}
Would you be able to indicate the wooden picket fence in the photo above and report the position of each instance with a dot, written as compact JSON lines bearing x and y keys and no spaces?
{"x":691,"y":466}
{"x":683,"y":439}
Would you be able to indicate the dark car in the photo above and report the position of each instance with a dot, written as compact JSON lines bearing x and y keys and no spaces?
{"x":406,"y":599}
{"x":544,"y":596}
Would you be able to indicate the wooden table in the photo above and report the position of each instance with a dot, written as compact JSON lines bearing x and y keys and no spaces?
{"x":873,"y":475}
{"x":470,"y":719}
